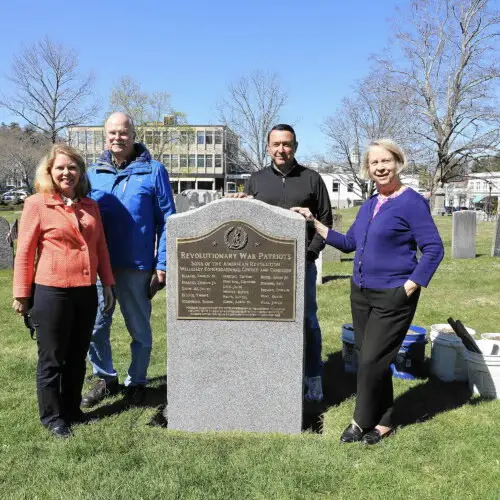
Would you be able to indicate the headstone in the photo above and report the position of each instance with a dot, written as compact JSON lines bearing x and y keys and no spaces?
{"x":331,"y":254}
{"x":495,"y":250}
{"x":319,"y":269}
{"x":6,"y":247}
{"x":194,"y":198}
{"x":463,"y":238}
{"x":235,"y":318}
{"x":438,"y":204}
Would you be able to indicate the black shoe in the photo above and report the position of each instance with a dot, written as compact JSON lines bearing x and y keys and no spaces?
{"x":135,"y":395}
{"x":60,"y":431}
{"x":100,"y":391}
{"x":351,"y":434}
{"x":374,"y":436}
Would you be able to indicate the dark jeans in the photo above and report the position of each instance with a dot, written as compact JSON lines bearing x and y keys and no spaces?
{"x":381,"y":318}
{"x":63,"y":318}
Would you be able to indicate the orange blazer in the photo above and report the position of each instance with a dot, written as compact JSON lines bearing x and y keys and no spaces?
{"x":70,"y":242}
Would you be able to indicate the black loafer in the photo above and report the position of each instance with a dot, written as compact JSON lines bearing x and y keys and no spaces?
{"x":374,"y":436}
{"x":351,"y":434}
{"x":61,"y":431}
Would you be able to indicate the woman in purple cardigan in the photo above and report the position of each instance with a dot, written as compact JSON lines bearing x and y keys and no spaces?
{"x":386,"y":281}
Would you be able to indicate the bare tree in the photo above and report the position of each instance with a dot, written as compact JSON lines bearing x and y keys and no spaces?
{"x":48,"y":93}
{"x":371,"y":113}
{"x":20,"y":153}
{"x":447,"y":78}
{"x":150,"y":112}
{"x":250,"y":108}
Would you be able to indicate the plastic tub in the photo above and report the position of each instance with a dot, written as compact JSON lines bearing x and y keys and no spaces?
{"x":410,"y":358}
{"x":349,"y":349}
{"x":448,"y":354}
{"x":484,"y":371}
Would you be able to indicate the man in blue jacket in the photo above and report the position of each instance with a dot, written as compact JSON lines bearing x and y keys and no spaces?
{"x":135,"y":198}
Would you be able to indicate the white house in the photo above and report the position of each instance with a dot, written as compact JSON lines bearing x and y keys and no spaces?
{"x":474,"y":191}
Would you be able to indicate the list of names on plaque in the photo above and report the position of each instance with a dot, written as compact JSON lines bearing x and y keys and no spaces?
{"x":219,"y":280}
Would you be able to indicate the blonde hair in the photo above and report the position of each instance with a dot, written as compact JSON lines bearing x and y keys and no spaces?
{"x":396,"y":151}
{"x":43,"y":177}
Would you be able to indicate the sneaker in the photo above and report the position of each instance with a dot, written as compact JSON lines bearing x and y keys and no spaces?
{"x":135,"y":395}
{"x":100,"y":391}
{"x":314,"y":389}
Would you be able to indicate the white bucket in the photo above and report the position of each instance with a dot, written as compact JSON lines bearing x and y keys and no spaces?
{"x":484,"y":371}
{"x":349,"y":349}
{"x":448,"y":354}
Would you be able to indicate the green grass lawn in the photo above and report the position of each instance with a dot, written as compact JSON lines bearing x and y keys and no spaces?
{"x":448,"y":445}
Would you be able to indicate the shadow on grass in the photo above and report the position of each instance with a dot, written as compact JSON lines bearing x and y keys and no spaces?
{"x":424,"y":401}
{"x":155,"y":396}
{"x":337,"y":387}
{"x":336,"y":277}
{"x":417,"y":404}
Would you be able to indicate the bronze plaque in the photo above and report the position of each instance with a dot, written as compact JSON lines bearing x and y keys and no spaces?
{"x":236,"y":272}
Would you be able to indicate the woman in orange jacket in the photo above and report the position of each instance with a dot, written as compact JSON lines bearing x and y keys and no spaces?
{"x":61,"y":248}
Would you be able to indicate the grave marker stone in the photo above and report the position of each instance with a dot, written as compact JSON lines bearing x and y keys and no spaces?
{"x":495,"y":250}
{"x":463,"y":239}
{"x":235,"y":317}
{"x":331,"y":254}
{"x":6,"y":249}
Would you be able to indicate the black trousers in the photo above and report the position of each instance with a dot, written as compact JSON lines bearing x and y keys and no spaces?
{"x":63,"y":318}
{"x":381,"y":318}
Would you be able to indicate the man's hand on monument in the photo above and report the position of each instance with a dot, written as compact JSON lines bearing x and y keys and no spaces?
{"x":158,"y":282}
{"x":238,"y":195}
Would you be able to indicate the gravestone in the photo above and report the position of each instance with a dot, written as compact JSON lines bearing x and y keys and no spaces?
{"x":194,"y":198}
{"x":495,"y":250}
{"x":235,"y":317}
{"x":463,"y":238}
{"x":331,"y":254}
{"x":6,"y":248}
{"x":438,"y":204}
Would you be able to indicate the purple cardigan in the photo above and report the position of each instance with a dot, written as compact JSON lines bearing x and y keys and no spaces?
{"x":386,"y":246}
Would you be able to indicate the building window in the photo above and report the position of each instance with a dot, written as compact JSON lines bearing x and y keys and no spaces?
{"x":350,"y":187}
{"x":81,"y":138}
{"x":218,"y":164}
{"x":174,"y":137}
{"x":166,"y":161}
{"x":166,"y":137}
{"x":218,"y":137}
{"x":184,"y":137}
{"x":209,"y":137}
{"x":148,"y":137}
{"x":335,"y":187}
{"x":191,"y":163}
{"x":478,"y":185}
{"x":192,"y":137}
{"x":156,"y":137}
{"x":183,"y":162}
{"x":99,"y":140}
{"x":175,"y":163}
{"x":200,"y":137}
{"x":209,"y":163}
{"x":201,"y":164}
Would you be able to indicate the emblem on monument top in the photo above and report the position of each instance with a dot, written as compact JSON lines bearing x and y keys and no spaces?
{"x":236,"y":238}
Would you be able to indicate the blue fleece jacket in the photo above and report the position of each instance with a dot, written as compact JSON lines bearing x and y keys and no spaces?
{"x":134,"y":203}
{"x":386,"y":245}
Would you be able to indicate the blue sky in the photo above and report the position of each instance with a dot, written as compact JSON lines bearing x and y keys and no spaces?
{"x":193,"y":49}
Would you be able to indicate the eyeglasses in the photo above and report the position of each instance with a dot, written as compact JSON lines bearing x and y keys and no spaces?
{"x":384,"y":162}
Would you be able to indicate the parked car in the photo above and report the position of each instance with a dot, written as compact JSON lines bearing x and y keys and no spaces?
{"x":10,"y":197}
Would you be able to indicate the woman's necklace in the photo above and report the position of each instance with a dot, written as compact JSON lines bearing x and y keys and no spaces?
{"x":69,"y":201}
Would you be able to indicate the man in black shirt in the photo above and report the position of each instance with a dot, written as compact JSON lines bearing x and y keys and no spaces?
{"x":287,"y":184}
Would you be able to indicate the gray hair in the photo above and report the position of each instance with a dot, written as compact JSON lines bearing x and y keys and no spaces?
{"x":396,"y":151}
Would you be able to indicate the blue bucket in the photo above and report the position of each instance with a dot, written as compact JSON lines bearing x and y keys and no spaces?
{"x":409,"y":361}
